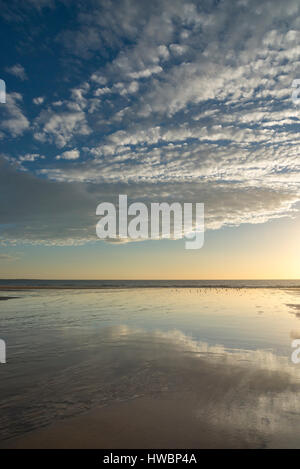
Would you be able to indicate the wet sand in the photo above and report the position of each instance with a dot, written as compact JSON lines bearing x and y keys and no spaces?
{"x":150,"y":369}
{"x":141,"y":423}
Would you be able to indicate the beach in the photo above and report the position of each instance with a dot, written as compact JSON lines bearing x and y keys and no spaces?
{"x":141,"y":423}
{"x":150,"y":368}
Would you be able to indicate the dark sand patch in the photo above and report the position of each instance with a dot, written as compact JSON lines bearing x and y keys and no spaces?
{"x":294,"y":306}
{"x":4,"y":298}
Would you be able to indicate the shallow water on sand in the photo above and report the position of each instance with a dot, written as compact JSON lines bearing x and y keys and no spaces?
{"x":69,"y":351}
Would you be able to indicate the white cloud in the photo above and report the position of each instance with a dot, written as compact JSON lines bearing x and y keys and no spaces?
{"x":13,"y":122}
{"x":60,"y":127}
{"x":69,"y":155}
{"x":39,"y":100}
{"x":31,"y":157}
{"x":101,"y":91}
{"x":146,"y":73}
{"x":192,"y":99}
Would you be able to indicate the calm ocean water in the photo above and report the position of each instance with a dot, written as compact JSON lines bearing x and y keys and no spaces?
{"x":229,"y":349}
{"x":151,"y":283}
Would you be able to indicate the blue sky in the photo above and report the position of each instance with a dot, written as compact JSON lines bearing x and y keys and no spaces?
{"x":163,"y":100}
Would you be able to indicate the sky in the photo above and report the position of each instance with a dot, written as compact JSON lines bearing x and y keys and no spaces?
{"x":164,"y":101}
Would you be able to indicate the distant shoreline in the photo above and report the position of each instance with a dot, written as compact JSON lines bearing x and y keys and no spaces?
{"x":133,"y":287}
{"x":20,"y":284}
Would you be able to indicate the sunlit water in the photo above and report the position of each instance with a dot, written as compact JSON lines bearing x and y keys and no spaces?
{"x":229,"y":349}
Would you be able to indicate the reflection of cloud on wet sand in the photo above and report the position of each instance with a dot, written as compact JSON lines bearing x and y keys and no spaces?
{"x":237,"y":390}
{"x":246,"y":391}
{"x":247,"y":395}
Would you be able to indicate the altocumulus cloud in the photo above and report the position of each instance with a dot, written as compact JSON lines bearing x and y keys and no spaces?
{"x":171,"y":100}
{"x":55,"y":212}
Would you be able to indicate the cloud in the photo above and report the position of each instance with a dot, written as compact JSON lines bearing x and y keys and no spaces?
{"x":63,"y":213}
{"x":16,"y":11}
{"x":13,"y":120}
{"x":39,"y":100}
{"x":31,"y":157}
{"x":146,"y":73}
{"x":173,"y":100}
{"x":18,"y":71}
{"x":48,"y":217}
{"x":60,"y":127}
{"x":69,"y":155}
